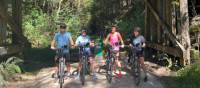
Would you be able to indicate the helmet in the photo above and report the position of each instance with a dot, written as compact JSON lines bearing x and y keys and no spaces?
{"x":137,"y":29}
{"x":83,"y":31}
{"x":63,"y":26}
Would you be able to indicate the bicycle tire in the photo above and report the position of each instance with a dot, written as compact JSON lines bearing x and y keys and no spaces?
{"x":82,"y":72}
{"x":61,"y":72}
{"x":109,"y":68}
{"x":137,"y":72}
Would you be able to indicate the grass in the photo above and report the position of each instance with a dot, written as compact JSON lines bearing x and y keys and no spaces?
{"x":188,"y":77}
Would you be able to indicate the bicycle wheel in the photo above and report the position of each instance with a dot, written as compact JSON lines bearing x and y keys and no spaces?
{"x":61,"y":72}
{"x":109,"y":70}
{"x":83,"y":70}
{"x":137,"y":71}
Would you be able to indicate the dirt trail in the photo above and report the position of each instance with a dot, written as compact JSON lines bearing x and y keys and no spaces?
{"x":43,"y":80}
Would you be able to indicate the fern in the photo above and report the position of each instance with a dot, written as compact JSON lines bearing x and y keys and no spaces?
{"x":9,"y":68}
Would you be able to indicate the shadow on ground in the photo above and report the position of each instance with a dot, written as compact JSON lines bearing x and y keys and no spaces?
{"x":37,"y":58}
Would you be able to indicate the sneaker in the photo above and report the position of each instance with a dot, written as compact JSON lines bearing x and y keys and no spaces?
{"x":67,"y":73}
{"x":77,"y":77}
{"x":54,"y":75}
{"x":145,"y":79}
{"x":119,"y":75}
{"x":94,"y":77}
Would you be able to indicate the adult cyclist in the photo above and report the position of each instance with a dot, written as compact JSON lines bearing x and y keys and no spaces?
{"x":114,"y":38}
{"x":84,"y":39}
{"x":61,"y":39}
{"x":137,"y":38}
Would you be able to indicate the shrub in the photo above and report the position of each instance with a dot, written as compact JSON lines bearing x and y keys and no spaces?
{"x":8,"y":69}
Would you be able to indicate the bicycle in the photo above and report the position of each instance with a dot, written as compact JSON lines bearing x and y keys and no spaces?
{"x":61,"y":66}
{"x":110,"y":62}
{"x":84,"y":62}
{"x":135,"y":64}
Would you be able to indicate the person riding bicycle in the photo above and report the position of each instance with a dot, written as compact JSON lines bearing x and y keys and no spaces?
{"x":84,"y":39}
{"x":61,"y":39}
{"x":138,"y":41}
{"x":113,"y":38}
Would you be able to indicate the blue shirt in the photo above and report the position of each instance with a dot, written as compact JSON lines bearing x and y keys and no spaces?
{"x":62,"y":39}
{"x":82,"y":40}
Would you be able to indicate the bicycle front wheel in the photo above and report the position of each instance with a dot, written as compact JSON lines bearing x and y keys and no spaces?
{"x":83,"y":72}
{"x":61,"y":72}
{"x":109,"y":70}
{"x":137,"y":72}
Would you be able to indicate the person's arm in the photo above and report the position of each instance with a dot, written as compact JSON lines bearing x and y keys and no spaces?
{"x":143,"y":42}
{"x":53,"y":43}
{"x":71,"y":40}
{"x":106,"y":40}
{"x":120,"y":37}
{"x":77,"y":41}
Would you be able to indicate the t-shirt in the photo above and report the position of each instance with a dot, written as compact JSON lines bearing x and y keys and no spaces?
{"x":137,"y":41}
{"x":82,"y":40}
{"x":62,"y":40}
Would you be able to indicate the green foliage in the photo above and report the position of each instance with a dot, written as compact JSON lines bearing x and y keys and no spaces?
{"x":42,"y":19}
{"x":195,"y":54}
{"x":136,"y":18}
{"x":9,"y":68}
{"x":188,"y":77}
{"x":36,"y":28}
{"x":2,"y":81}
{"x":195,"y":24}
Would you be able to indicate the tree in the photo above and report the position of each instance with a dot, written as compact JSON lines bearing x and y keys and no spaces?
{"x":184,"y":30}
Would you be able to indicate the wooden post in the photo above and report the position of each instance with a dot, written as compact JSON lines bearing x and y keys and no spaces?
{"x":184,"y":31}
{"x":145,"y":29}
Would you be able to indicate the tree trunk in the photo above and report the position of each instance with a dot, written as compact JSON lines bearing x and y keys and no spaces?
{"x":17,"y":17}
{"x":7,"y":18}
{"x":184,"y":31}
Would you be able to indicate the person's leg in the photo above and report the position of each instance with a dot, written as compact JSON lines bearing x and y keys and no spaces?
{"x":92,"y":63}
{"x":67,"y":63}
{"x":143,"y":67}
{"x":56,"y":67}
{"x":142,"y":64}
{"x":118,"y":65}
{"x":56,"y":64}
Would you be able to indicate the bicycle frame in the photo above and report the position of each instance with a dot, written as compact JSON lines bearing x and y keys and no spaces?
{"x":110,"y":62}
{"x":84,"y":63}
{"x":61,"y":66}
{"x":135,"y":65}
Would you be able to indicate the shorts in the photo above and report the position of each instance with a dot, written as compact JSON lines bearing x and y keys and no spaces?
{"x":140,"y":53}
{"x":66,"y":57}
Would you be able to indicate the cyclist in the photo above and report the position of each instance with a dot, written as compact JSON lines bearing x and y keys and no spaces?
{"x":114,"y":38}
{"x":62,"y":38}
{"x":137,"y":38}
{"x":82,"y":40}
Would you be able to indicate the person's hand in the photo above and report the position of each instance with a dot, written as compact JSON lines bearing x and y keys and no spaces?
{"x":73,"y":46}
{"x":122,"y":45}
{"x":53,"y":48}
{"x":92,"y":44}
